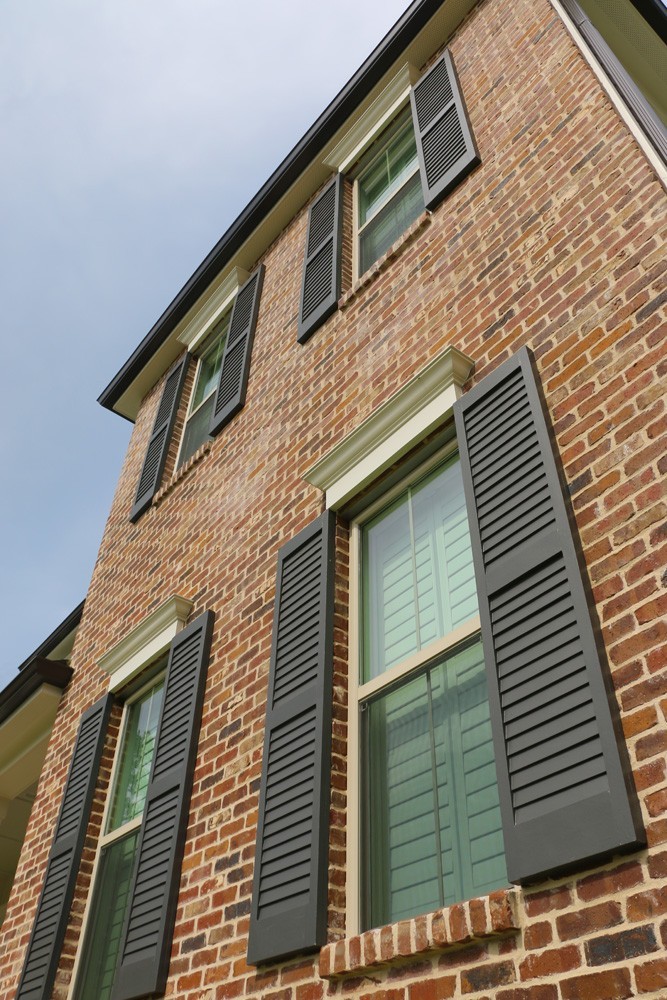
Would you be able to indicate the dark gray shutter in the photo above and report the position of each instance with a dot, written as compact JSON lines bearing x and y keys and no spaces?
{"x":62,"y":867}
{"x":230,"y":396}
{"x":320,"y":283}
{"x":289,"y":900}
{"x":143,"y":961}
{"x":445,"y":142}
{"x":158,"y":446}
{"x":565,"y":793}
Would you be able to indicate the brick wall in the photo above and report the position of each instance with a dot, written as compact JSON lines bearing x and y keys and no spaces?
{"x":557,"y":241}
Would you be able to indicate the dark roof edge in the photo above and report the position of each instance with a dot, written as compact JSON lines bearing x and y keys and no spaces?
{"x":39,"y":671}
{"x":59,"y":633}
{"x":342,"y":106}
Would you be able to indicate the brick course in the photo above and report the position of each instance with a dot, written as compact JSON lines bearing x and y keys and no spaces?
{"x":556,"y":241}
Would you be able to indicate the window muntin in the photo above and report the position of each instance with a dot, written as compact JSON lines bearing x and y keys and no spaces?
{"x":425,"y":737}
{"x":117,"y":847}
{"x":203,"y":393}
{"x":388,"y":191}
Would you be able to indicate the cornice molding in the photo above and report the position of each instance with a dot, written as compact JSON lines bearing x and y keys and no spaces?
{"x":400,"y":423}
{"x":147,"y":640}
{"x":380,"y":112}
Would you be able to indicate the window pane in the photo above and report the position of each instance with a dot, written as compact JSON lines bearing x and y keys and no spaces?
{"x":196,"y":430}
{"x":203,"y":395}
{"x":136,"y":755}
{"x":418,"y":579}
{"x":427,"y":754}
{"x":388,"y":170}
{"x":392,"y":220}
{"x":112,"y":886}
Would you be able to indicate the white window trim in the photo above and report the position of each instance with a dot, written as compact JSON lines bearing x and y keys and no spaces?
{"x":105,"y":839}
{"x":151,"y":637}
{"x":420,"y":406}
{"x":613,"y":94}
{"x":212,"y":309}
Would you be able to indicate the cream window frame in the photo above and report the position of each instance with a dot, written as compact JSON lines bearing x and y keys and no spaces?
{"x":360,"y":693}
{"x":224,"y":313}
{"x":107,"y":839}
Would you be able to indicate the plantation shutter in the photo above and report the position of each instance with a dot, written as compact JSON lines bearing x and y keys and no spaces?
{"x":564,"y":795}
{"x":62,"y":867}
{"x":320,"y":283}
{"x":289,"y":900}
{"x":158,"y":446}
{"x":445,"y":142}
{"x":145,"y":948}
{"x":230,"y":395}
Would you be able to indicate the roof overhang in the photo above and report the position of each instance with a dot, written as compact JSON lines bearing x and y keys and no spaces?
{"x":422,"y":29}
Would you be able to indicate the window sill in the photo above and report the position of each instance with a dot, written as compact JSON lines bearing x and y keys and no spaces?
{"x":477,"y":919}
{"x":182,"y":472}
{"x":380,"y":265}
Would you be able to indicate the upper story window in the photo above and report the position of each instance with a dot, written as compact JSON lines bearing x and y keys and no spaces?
{"x":388,"y":191}
{"x":200,"y":407}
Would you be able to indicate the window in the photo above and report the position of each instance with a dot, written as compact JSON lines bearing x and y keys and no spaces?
{"x":430,"y":824}
{"x":388,"y":191}
{"x":118,"y":844}
{"x":629,"y":39}
{"x":200,"y":408}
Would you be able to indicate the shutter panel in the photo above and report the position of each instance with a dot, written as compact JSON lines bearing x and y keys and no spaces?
{"x":158,"y":446}
{"x":445,"y":142}
{"x":62,"y":867}
{"x":565,"y":795}
{"x":289,"y":901}
{"x":320,"y":283}
{"x":230,"y":395}
{"x":145,"y":948}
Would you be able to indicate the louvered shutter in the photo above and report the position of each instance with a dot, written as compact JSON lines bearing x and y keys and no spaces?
{"x":158,"y":446}
{"x":289,"y":901}
{"x":230,"y":395}
{"x":62,"y":867}
{"x":564,"y":792}
{"x":143,"y":961}
{"x":445,"y":142}
{"x":320,"y":283}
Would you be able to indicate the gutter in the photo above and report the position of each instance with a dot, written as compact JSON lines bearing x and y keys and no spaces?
{"x":59,"y":633}
{"x":313,"y":142}
{"x":39,"y":671}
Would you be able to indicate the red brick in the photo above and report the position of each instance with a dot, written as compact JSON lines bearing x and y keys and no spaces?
{"x":440,"y":988}
{"x":652,"y":977}
{"x":610,"y":881}
{"x":538,"y":935}
{"x":647,"y":904}
{"x":612,"y":984}
{"x":580,"y":922}
{"x":552,"y":962}
{"x":547,"y":900}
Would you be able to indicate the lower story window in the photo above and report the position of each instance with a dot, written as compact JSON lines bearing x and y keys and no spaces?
{"x":117,"y":849}
{"x":430,"y":820}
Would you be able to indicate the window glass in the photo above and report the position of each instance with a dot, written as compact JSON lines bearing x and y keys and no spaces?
{"x":431,"y":816}
{"x":418,"y":580}
{"x":389,"y":193}
{"x":203,"y":393}
{"x":136,"y":757}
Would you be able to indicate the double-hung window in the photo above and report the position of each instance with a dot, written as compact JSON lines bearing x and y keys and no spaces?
{"x":200,"y":407}
{"x":388,"y":191}
{"x":118,"y":844}
{"x":430,"y":825}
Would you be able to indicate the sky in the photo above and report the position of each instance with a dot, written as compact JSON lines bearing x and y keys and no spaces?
{"x":132,"y":133}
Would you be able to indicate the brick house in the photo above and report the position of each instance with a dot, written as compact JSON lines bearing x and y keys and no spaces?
{"x":412,"y":400}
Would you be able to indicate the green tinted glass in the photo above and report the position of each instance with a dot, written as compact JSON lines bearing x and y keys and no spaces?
{"x":112,"y":886}
{"x":418,"y":579}
{"x":433,"y":818}
{"x":136,"y":756}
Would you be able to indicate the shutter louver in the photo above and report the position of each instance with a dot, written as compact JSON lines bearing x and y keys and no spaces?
{"x":289,"y":903}
{"x":62,"y":867}
{"x":445,"y":142}
{"x":565,"y":796}
{"x":320,"y":284}
{"x":158,"y":446}
{"x":143,"y":962}
{"x":231,"y":392}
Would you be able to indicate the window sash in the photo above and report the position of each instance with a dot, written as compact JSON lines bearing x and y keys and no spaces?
{"x":200,"y":406}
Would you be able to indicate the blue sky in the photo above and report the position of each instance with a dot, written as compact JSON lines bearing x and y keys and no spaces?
{"x":132,"y":132}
